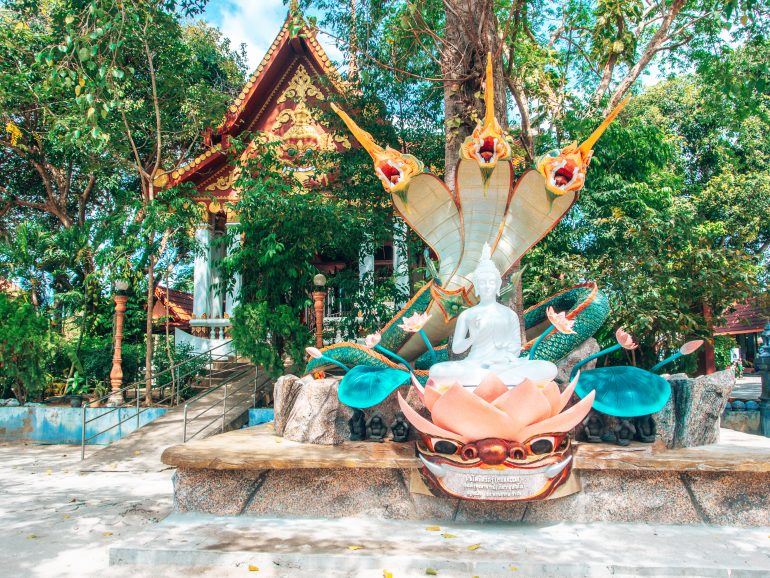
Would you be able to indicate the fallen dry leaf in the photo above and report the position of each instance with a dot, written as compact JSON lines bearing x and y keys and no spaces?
{"x":253,"y":568}
{"x":106,"y":533}
{"x":433,"y":528}
{"x":448,"y":536}
{"x":474,"y":546}
{"x":514,"y":568}
{"x":31,"y":536}
{"x":386,"y":574}
{"x":431,"y":572}
{"x":355,"y":547}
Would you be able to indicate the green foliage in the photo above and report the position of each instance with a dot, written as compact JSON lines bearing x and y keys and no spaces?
{"x":287,"y":229}
{"x":25,"y":342}
{"x":722,"y":346}
{"x":87,"y":91}
{"x":669,"y":225}
{"x":189,"y":366}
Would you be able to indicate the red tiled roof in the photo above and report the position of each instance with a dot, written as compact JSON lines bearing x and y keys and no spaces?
{"x":746,"y":317}
{"x":10,"y":287}
{"x":180,"y":306}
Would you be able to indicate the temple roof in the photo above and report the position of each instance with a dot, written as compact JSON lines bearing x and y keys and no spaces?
{"x":179,"y":303}
{"x":294,"y":52}
{"x":747,"y":316}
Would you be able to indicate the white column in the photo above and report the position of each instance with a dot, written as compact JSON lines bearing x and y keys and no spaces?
{"x":400,"y":262}
{"x":366,"y":268}
{"x":234,"y":295}
{"x":215,"y":289}
{"x":201,"y":273}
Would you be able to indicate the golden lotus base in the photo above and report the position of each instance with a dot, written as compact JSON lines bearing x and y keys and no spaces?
{"x":254,"y":472}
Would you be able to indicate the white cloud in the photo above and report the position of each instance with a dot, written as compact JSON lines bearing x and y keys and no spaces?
{"x":256,"y":23}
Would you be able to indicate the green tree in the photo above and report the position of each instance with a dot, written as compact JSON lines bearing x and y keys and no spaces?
{"x":99,"y":98}
{"x":24,"y":347}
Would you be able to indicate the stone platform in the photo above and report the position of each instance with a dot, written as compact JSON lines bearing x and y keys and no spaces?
{"x":253,"y":472}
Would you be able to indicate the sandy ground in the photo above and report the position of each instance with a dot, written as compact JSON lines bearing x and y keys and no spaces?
{"x":58,"y":522}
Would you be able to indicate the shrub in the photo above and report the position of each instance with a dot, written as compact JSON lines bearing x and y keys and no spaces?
{"x":25,"y":344}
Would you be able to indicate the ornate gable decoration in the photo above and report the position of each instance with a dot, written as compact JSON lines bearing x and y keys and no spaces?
{"x":299,"y":130}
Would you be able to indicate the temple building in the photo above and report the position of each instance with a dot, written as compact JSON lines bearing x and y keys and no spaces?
{"x":280,"y":100}
{"x":744,"y":322}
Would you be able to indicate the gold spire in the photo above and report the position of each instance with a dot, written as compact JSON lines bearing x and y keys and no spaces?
{"x":588,"y":144}
{"x":488,"y":143}
{"x":489,"y":96}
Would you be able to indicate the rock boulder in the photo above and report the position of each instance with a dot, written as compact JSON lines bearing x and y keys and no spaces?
{"x":692,"y":415}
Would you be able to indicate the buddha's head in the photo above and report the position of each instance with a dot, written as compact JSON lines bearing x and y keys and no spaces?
{"x":487,"y":279}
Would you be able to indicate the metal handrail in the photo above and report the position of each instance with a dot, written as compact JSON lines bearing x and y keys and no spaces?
{"x":136,"y":386}
{"x":214,"y":404}
{"x":163,"y":372}
{"x":228,"y":392}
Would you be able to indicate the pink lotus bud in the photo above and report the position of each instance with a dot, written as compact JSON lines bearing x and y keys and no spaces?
{"x":314,"y":352}
{"x":372,"y":340}
{"x":625,"y":340}
{"x":690,"y":347}
{"x":414,"y":323}
{"x":560,"y":321}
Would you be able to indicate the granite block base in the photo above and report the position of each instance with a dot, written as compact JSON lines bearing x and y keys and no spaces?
{"x":734,"y":498}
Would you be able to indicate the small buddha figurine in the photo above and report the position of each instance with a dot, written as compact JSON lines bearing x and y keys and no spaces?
{"x":491,"y":333}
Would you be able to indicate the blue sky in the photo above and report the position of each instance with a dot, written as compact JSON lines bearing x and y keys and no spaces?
{"x":255,"y":23}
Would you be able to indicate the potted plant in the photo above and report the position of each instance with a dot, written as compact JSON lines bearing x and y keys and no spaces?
{"x":77,"y":388}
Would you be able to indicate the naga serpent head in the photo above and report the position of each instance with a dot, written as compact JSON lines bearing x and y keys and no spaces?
{"x":393,"y":168}
{"x":487,"y":144}
{"x":565,"y":170}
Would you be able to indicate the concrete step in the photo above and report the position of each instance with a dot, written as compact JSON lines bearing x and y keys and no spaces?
{"x":141,"y":450}
{"x":363,"y":547}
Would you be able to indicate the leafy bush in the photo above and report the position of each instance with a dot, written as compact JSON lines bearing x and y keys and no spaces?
{"x":189,"y":366}
{"x":25,"y":344}
{"x":722,"y":346}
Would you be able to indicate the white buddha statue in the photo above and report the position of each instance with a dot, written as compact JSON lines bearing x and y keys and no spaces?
{"x":491,"y":331}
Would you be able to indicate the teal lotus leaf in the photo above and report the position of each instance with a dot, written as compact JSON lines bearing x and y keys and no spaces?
{"x":365,"y":386}
{"x":624,"y":391}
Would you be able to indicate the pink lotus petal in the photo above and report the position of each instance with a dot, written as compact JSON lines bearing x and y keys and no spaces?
{"x":524,"y":404}
{"x":372,"y":340}
{"x":431,"y":396}
{"x":690,"y":347}
{"x":552,"y":394}
{"x":490,"y":388}
{"x":423,"y":425}
{"x":560,"y":423}
{"x":471,"y":416}
{"x":625,"y":340}
{"x":418,"y":386}
{"x":566,"y":395}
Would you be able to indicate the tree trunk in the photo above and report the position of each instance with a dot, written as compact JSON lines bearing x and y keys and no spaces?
{"x":471,"y":32}
{"x":148,"y":350}
{"x":472,"y":26}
